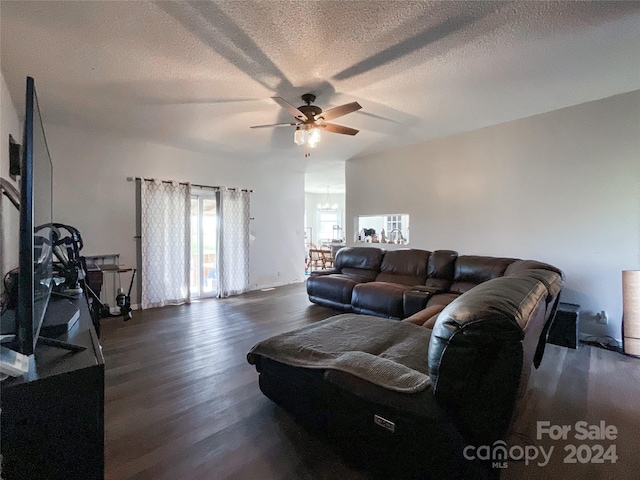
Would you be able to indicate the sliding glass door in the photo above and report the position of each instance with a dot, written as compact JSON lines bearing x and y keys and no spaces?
{"x":204,"y":225}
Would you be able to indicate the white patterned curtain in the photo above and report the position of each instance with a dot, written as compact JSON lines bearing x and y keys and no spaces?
{"x":233,"y":242}
{"x":165,"y":242}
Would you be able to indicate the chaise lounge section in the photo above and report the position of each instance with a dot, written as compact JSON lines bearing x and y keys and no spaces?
{"x":409,"y":398}
{"x":411,"y":401}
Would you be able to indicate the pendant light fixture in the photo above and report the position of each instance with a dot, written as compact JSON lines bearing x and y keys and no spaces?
{"x":327,"y":206}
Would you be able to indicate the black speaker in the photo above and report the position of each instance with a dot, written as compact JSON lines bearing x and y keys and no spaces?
{"x":564,"y":329}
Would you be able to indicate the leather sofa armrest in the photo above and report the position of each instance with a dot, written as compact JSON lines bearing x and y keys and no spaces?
{"x":415,"y":299}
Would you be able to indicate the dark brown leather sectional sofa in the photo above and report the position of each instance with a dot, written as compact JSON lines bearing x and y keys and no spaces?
{"x":466,"y":371}
{"x":399,"y":283}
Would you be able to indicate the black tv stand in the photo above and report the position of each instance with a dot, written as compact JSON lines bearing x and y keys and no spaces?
{"x":52,"y":422}
{"x":52,"y":342}
{"x":55,"y":293}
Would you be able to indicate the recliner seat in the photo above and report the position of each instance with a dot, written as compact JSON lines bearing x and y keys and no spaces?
{"x":399,"y":270}
{"x":352,"y":266}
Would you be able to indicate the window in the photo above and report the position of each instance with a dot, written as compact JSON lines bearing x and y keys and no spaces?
{"x":394,"y":222}
{"x":328,"y":224}
{"x":384,"y":228}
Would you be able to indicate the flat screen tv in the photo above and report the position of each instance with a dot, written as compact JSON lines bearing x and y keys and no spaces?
{"x":35,"y":258}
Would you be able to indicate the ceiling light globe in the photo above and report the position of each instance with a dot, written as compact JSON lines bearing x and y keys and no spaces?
{"x":314,"y":137}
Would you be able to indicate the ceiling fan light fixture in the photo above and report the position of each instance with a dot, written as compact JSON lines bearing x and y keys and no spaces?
{"x":310,"y":118}
{"x":314,"y":137}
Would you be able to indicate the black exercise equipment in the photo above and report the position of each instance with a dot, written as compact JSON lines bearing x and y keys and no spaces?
{"x":72,"y":267}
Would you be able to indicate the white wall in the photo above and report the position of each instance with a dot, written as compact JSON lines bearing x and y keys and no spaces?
{"x":9,"y":216}
{"x":562,"y":187}
{"x":92,"y":194}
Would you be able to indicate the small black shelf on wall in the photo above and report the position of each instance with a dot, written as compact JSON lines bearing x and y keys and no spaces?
{"x":564,"y":329}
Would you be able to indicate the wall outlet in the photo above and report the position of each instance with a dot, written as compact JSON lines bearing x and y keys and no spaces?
{"x":602,"y":318}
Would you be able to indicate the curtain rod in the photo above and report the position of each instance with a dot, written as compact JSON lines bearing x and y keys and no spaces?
{"x":131,"y":179}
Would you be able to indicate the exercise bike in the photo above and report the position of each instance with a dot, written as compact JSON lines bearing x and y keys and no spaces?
{"x":122,"y":301}
{"x":72,"y":267}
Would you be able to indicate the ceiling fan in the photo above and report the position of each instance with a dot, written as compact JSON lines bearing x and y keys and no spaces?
{"x":310,"y":119}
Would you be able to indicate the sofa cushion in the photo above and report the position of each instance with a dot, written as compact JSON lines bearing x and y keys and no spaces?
{"x":442,"y":299}
{"x":333,"y":290}
{"x":471,"y":270}
{"x":427,"y":317}
{"x":389,"y":354}
{"x":379,"y":298}
{"x":406,"y":266}
{"x":441,"y":269}
{"x":363,"y":262}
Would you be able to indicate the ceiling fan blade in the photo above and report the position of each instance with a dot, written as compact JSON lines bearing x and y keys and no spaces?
{"x":333,"y":128}
{"x":276,"y":125}
{"x":290,"y":108}
{"x":339,"y":111}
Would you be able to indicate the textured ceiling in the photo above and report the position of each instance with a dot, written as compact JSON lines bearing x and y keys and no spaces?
{"x":196,"y":75}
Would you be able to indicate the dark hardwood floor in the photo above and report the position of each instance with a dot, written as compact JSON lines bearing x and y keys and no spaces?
{"x":181,"y":401}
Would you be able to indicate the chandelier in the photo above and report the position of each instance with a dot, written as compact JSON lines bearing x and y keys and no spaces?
{"x":327,"y":205}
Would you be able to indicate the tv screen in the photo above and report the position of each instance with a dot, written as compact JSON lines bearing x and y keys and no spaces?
{"x":35,"y":279}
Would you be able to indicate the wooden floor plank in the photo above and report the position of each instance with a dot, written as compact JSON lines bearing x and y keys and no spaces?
{"x":181,"y":401}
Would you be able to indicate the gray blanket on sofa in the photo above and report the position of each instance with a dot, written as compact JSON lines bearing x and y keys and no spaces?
{"x":384,"y":352}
